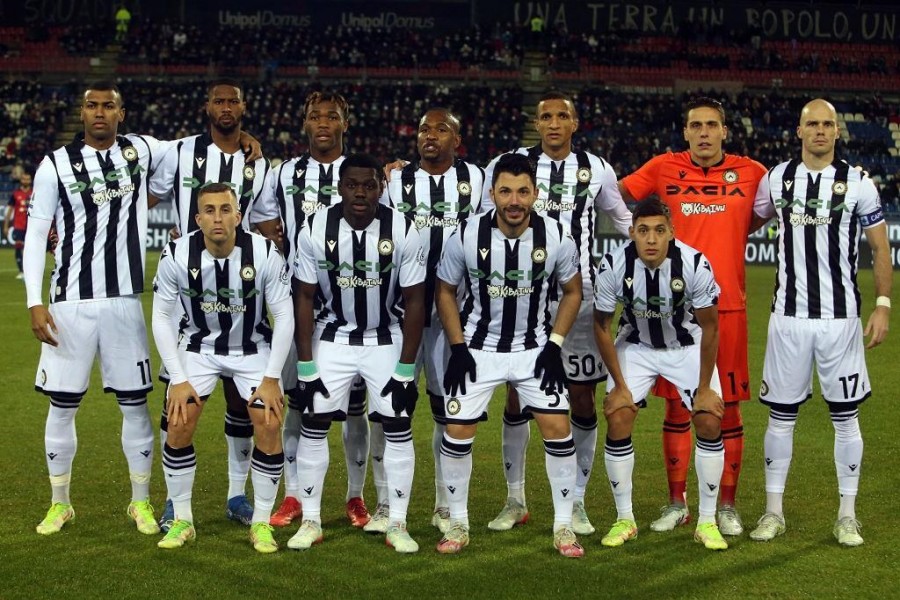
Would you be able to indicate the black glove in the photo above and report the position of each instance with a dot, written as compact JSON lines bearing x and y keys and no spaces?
{"x":461,"y":364}
{"x":302,"y":398}
{"x":404,"y":395}
{"x":549,"y":368}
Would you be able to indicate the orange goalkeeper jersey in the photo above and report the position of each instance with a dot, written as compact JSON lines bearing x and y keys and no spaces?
{"x":711,"y":210}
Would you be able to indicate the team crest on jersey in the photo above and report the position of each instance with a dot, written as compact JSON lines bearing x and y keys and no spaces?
{"x":763,"y":388}
{"x":677,"y":284}
{"x":130,"y":154}
{"x":248,"y":273}
{"x":249,"y":173}
{"x":839,"y":188}
{"x":385,"y":246}
{"x":464,"y":188}
{"x":730,"y":176}
{"x":453,"y":406}
{"x":583,"y":174}
{"x":539,"y":255}
{"x":43,"y":377}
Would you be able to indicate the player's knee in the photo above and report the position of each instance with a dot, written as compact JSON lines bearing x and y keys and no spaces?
{"x":707,"y":426}
{"x":620,"y":423}
{"x":461,"y":431}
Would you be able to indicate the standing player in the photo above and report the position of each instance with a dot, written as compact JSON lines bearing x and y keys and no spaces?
{"x":669,"y":328}
{"x":509,"y":260}
{"x":436,"y":193}
{"x":822,"y":207}
{"x":571,"y":188}
{"x":96,"y":191}
{"x":191,"y":165}
{"x":224,"y":279}
{"x":710,"y":196}
{"x":17,"y":216}
{"x":365,"y":263}
{"x":300,"y":187}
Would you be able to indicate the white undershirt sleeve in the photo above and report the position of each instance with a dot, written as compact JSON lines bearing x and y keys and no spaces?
{"x":282,"y":333}
{"x":34,"y":259}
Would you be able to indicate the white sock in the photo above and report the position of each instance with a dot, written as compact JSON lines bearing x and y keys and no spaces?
{"x":584,"y":433}
{"x":180,"y":467}
{"x":290,"y":440}
{"x":848,"y":453}
{"x":709,"y":462}
{"x":355,"y":434}
{"x":312,"y":465}
{"x":265,"y":472}
{"x":60,"y":443}
{"x":778,"y":446}
{"x":440,"y":486}
{"x":137,"y":444}
{"x":376,"y":443}
{"x":239,"y":439}
{"x":619,"y":458}
{"x":456,"y":464}
{"x":399,"y":465}
{"x":560,"y":462}
{"x":516,"y":434}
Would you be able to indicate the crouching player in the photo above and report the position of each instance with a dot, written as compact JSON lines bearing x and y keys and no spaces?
{"x":669,"y":328}
{"x":508,"y":259}
{"x":224,"y":279}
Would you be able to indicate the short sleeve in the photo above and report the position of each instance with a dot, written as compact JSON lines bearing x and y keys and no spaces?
{"x":452,"y":265}
{"x":278,"y":277}
{"x":705,"y":291}
{"x":568,"y":263}
{"x":642,"y":182}
{"x":762,"y":204}
{"x":165,"y":282}
{"x":162,"y":181}
{"x":304,"y":267}
{"x":869,"y":208}
{"x":605,"y":286}
{"x":266,"y":206}
{"x":412,"y":260}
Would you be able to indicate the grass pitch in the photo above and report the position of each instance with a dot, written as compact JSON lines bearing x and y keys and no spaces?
{"x":101,"y":555}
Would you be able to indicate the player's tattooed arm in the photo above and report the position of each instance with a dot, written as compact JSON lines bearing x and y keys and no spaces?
{"x":620,"y":397}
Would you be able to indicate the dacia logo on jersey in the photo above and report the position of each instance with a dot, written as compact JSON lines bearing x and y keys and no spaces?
{"x":562,"y":189}
{"x":325,"y":190}
{"x":654,"y":300}
{"x":444,"y":207}
{"x":222,"y":292}
{"x":77,"y":187}
{"x":815,"y":203}
{"x":512,"y":275}
{"x":193,"y":183}
{"x":703,"y":190}
{"x":360,"y":265}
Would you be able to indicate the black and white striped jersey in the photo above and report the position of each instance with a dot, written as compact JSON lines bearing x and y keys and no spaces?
{"x":506,"y":306}
{"x":223,"y":299}
{"x":359,"y":274}
{"x":657,"y":304}
{"x":195,"y":162}
{"x":98,"y":200}
{"x":294,"y":190}
{"x":436,"y":204}
{"x":821,"y":215}
{"x":571,"y":191}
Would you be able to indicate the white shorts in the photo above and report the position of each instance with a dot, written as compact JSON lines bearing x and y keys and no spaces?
{"x":580,"y":355}
{"x":289,"y":373}
{"x":432,"y":358}
{"x":641,"y":365}
{"x":836,"y":347}
{"x":498,"y":368}
{"x":112,"y":327}
{"x":341,"y":365}
{"x":204,"y":370}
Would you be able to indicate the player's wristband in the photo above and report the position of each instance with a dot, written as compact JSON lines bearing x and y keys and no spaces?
{"x":557,"y":339}
{"x":404,"y":371}
{"x":306,"y":370}
{"x":883,"y":301}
